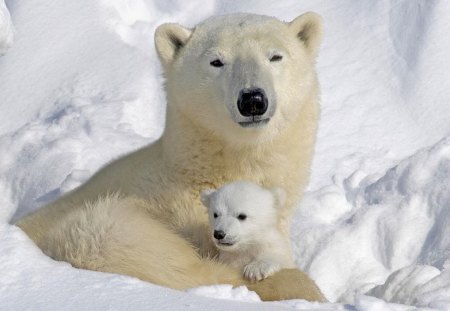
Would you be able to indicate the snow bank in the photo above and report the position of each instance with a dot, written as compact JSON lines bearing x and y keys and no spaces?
{"x":353,"y":234}
{"x":82,"y":85}
{"x":226,"y":291}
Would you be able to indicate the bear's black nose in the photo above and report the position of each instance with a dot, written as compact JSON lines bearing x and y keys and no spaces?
{"x":252,"y":102}
{"x":219,"y":234}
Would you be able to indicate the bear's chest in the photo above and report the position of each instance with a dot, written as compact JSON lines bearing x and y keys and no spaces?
{"x":237,"y":259}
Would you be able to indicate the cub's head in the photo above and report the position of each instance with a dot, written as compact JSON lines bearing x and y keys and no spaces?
{"x":243,"y":77}
{"x":240,"y":213}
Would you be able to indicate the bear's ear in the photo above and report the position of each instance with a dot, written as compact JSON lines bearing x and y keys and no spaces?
{"x":308,"y":28}
{"x":169,"y":39}
{"x":205,"y":196}
{"x":280,"y":197}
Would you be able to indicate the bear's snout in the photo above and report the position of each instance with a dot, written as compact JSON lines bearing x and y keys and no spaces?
{"x":219,"y":234}
{"x":252,"y":102}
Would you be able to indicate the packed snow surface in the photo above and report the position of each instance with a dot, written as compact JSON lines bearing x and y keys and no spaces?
{"x":81,"y":85}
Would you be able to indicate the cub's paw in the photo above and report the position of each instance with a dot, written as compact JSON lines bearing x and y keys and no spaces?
{"x":260,"y":269}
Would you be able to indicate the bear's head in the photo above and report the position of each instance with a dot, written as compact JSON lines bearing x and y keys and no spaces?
{"x":243,"y":77}
{"x":241,"y":214}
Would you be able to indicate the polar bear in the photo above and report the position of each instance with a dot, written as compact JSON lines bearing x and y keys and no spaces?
{"x":242,"y":104}
{"x":243,"y":221}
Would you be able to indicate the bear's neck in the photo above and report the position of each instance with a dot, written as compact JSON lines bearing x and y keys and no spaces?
{"x":215,"y":162}
{"x":197,"y":147}
{"x":242,"y":255}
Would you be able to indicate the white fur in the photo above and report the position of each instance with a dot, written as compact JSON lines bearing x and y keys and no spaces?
{"x":254,"y":244}
{"x":157,"y":229}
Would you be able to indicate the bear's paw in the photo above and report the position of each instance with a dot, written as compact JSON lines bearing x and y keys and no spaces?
{"x":261,"y":269}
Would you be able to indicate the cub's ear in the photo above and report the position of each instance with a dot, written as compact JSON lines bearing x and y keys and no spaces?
{"x":308,"y":28}
{"x":205,"y":196}
{"x":280,"y":197}
{"x":169,"y":39}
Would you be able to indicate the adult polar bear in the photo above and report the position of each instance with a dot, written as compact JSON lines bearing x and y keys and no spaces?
{"x":242,"y":105}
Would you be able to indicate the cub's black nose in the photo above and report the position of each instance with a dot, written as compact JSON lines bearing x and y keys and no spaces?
{"x":219,"y":234}
{"x":252,"y":102}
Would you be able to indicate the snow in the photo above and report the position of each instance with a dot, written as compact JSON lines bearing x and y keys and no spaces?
{"x":226,"y":291}
{"x":363,"y":229}
{"x":81,"y":85}
{"x":6,"y":29}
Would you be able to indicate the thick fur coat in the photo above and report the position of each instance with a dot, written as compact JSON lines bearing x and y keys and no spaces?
{"x":243,"y":221}
{"x":141,"y":215}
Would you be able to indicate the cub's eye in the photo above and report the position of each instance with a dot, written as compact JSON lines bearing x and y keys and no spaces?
{"x":276,"y":58}
{"x":215,"y":215}
{"x":242,"y":217}
{"x":216,"y":63}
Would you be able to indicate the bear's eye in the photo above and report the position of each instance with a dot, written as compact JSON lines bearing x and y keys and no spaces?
{"x":242,"y":217}
{"x":215,"y":215}
{"x":216,"y":63}
{"x":276,"y":58}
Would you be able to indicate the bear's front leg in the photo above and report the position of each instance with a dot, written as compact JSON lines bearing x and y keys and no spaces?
{"x":260,"y":269}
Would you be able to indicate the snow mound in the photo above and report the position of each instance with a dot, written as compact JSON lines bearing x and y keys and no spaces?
{"x":225,"y":291}
{"x":406,"y":284}
{"x":6,"y":29}
{"x":352,"y":235}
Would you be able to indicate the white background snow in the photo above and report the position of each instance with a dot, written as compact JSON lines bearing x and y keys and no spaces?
{"x":80,"y":84}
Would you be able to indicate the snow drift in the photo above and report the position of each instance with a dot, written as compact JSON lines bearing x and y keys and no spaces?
{"x":353,"y":234}
{"x":82,"y":85}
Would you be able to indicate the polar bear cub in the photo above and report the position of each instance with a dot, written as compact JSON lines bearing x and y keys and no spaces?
{"x":243,"y":218}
